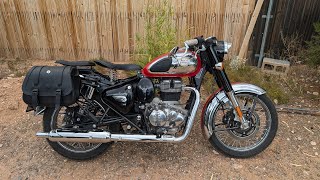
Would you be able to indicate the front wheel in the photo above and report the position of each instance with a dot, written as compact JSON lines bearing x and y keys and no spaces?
{"x":226,"y":135}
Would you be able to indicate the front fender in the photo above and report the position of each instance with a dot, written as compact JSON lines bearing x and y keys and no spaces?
{"x":214,"y":100}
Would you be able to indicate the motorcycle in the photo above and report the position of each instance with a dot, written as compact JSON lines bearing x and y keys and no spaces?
{"x":85,"y":111}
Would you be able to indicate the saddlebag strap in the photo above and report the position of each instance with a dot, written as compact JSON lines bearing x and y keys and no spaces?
{"x":59,"y":90}
{"x":58,"y":98}
{"x":35,"y":93}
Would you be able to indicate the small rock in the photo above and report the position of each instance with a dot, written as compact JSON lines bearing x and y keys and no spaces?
{"x":306,"y":173}
{"x":292,"y":131}
{"x":308,"y":92}
{"x":314,"y":148}
{"x":302,"y":101}
{"x":215,"y":152}
{"x":10,"y":75}
{"x":1,"y":145}
{"x":315,"y":93}
{"x":288,"y":139}
{"x":313,"y":143}
{"x":299,"y":138}
{"x":275,"y":101}
{"x":184,"y":158}
{"x":237,"y":166}
{"x":13,"y":106}
{"x":316,"y":153}
{"x":232,"y":159}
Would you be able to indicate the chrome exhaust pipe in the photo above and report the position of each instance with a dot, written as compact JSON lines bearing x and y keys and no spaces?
{"x":99,"y":137}
{"x":104,"y":137}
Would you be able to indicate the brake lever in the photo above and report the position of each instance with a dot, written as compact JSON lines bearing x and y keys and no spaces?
{"x":203,"y":48}
{"x":174,"y":51}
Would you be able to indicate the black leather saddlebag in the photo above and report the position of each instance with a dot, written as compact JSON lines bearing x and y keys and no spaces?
{"x":51,"y":86}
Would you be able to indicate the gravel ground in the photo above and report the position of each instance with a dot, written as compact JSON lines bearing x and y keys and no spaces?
{"x":294,"y":154}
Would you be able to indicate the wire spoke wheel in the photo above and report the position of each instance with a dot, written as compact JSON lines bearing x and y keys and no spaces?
{"x":257,"y":113}
{"x":72,"y":119}
{"x":229,"y":137}
{"x":63,"y":119}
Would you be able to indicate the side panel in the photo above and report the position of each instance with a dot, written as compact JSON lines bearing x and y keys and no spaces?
{"x":218,"y":96}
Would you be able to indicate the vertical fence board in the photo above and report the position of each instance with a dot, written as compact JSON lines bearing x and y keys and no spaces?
{"x":290,"y":18}
{"x":89,"y":29}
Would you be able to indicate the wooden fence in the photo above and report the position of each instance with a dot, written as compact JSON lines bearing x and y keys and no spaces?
{"x":88,"y":29}
{"x":289,"y":18}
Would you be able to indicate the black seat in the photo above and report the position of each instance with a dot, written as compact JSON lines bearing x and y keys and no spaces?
{"x":128,"y":67}
{"x":76,"y":63}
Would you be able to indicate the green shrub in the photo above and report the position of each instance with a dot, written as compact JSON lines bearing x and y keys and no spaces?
{"x":248,"y":74}
{"x":160,"y":34}
{"x":313,"y":50}
{"x":17,"y":67}
{"x":254,"y":76}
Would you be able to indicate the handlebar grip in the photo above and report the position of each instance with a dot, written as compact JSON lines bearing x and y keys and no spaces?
{"x":192,"y":42}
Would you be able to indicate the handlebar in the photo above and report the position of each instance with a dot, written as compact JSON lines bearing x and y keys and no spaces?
{"x":191,"y":42}
{"x":200,"y":44}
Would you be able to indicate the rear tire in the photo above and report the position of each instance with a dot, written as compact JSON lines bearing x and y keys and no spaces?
{"x":248,"y":151}
{"x":50,"y":123}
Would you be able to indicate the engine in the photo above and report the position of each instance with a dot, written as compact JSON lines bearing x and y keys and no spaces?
{"x":165,"y":113}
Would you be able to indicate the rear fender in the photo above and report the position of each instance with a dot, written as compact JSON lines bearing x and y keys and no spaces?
{"x":219,"y":96}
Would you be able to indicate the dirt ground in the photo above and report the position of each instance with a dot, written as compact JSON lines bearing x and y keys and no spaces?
{"x":294,"y":154}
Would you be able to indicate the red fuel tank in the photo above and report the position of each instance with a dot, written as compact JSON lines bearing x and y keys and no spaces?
{"x":181,"y":65}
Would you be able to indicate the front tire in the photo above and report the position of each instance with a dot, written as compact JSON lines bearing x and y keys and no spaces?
{"x":245,"y":143}
{"x":85,"y":150}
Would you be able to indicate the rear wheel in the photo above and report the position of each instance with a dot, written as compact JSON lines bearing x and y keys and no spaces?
{"x":54,"y":119}
{"x":239,"y":142}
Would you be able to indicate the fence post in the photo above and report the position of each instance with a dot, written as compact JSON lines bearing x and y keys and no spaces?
{"x":264,"y":38}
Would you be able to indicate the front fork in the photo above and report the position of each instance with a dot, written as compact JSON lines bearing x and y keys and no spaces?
{"x":224,"y":83}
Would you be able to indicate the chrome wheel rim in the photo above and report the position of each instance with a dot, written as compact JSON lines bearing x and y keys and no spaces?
{"x":254,"y":137}
{"x":58,"y":121}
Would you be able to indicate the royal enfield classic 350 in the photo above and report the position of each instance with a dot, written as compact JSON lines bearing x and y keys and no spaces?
{"x":85,"y":111}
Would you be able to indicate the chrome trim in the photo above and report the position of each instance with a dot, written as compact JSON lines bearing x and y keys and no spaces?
{"x":103,"y":137}
{"x":226,"y":46}
{"x":244,"y":87}
{"x":175,"y":61}
{"x":234,"y":102}
{"x":222,"y":97}
{"x":218,"y":66}
{"x":39,"y":110}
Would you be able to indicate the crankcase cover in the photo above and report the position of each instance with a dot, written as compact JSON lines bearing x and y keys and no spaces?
{"x":158,"y":118}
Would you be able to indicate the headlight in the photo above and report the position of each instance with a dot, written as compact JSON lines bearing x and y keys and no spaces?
{"x":223,"y":47}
